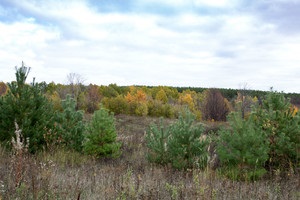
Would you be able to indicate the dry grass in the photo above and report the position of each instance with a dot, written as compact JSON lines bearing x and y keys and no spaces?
{"x":68,"y":175}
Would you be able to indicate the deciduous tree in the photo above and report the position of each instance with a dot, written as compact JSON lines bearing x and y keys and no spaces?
{"x":214,"y":107}
{"x":75,"y":82}
{"x":93,"y":98}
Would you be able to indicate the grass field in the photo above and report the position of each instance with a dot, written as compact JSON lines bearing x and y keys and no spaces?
{"x":62,"y":174}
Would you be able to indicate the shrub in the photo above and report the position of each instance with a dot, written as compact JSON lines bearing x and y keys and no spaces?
{"x":101,"y":135}
{"x":141,"y":109}
{"x":93,"y":98}
{"x":243,"y":149}
{"x":118,"y":104}
{"x":185,"y":146}
{"x":268,"y":139}
{"x":278,"y":123}
{"x":27,"y":106}
{"x":137,"y":102}
{"x":158,"y":109}
{"x":178,"y":144}
{"x":215,"y":106}
{"x":70,"y":126}
{"x":161,"y":96}
{"x":157,"y":139}
{"x":56,"y":101}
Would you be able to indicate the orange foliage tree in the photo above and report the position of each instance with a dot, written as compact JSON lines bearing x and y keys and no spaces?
{"x":189,"y":98}
{"x":137,"y":100}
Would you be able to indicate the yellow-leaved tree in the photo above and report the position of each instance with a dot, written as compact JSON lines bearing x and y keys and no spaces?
{"x":189,"y":98}
{"x":161,"y":96}
{"x":137,"y":101}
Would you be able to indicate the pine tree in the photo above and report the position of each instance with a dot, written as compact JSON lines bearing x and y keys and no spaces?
{"x":279,"y":124}
{"x":179,"y":144}
{"x":185,"y":146}
{"x":243,"y":147}
{"x":26,"y":105}
{"x":157,"y":138}
{"x":70,"y":124}
{"x":101,"y":135}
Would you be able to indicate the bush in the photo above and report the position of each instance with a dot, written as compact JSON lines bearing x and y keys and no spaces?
{"x":158,"y":109}
{"x":281,"y":127}
{"x":101,"y":135}
{"x":268,"y":140}
{"x":26,"y":105}
{"x":178,"y":144}
{"x":243,"y":149}
{"x":185,"y":145}
{"x":118,"y":104}
{"x":157,"y":139}
{"x":215,"y":106}
{"x":70,"y":126}
{"x":141,"y":108}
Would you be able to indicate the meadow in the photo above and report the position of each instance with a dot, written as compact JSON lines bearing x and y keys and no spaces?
{"x":75,"y":142}
{"x":66,"y":174}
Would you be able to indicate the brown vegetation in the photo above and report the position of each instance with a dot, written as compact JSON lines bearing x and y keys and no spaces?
{"x":3,"y":88}
{"x":61,"y":174}
{"x":215,"y":106}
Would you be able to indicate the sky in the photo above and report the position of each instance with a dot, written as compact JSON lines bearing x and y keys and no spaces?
{"x":190,"y":43}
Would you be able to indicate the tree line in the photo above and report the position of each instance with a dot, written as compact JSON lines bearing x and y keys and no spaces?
{"x":206,"y":103}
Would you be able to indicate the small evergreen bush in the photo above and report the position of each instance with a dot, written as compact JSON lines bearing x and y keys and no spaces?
{"x":269,"y":139}
{"x":243,"y":149}
{"x":70,"y":126}
{"x":101,"y":135}
{"x":157,"y":140}
{"x":179,"y":144}
{"x":185,"y":144}
{"x":281,"y":126}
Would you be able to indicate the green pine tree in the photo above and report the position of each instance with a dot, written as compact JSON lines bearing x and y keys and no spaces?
{"x":185,"y":145}
{"x":26,"y":105}
{"x":179,"y":144}
{"x":157,"y":138}
{"x":243,"y":148}
{"x":101,"y":135}
{"x":276,"y":120}
{"x":70,"y":124}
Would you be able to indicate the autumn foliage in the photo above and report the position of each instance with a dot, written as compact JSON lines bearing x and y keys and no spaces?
{"x":3,"y":88}
{"x":215,"y":106}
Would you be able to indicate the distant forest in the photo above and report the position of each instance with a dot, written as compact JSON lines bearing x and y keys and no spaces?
{"x":158,"y":101}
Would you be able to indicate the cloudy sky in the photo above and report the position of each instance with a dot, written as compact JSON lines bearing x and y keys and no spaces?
{"x":198,"y":43}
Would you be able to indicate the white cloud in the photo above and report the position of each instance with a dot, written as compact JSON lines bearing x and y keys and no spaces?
{"x":176,"y":3}
{"x":24,"y":40}
{"x":214,"y":3}
{"x":186,"y":49}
